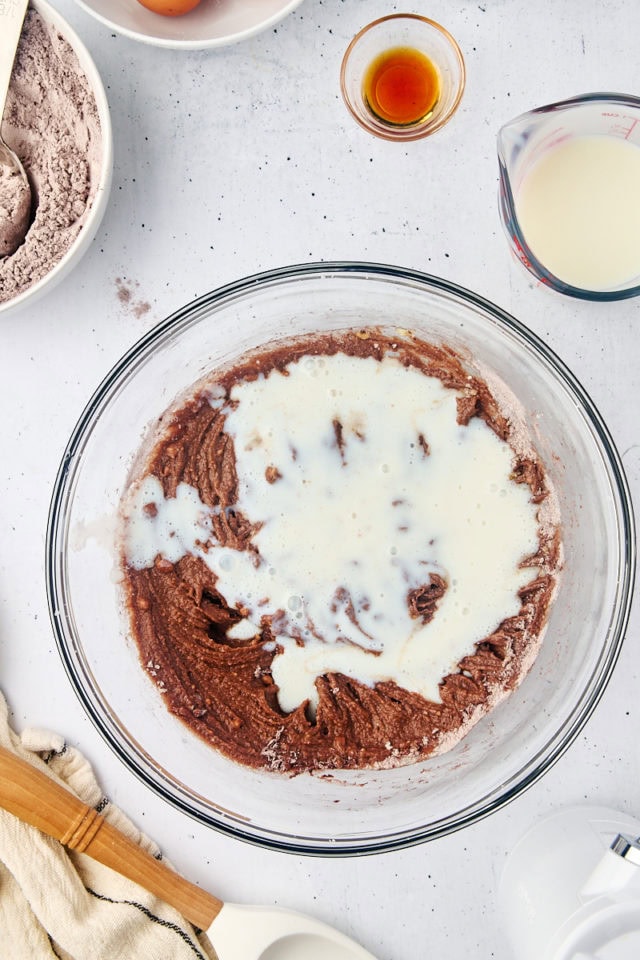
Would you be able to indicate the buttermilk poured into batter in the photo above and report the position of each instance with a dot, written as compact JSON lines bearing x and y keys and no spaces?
{"x":337,"y":554}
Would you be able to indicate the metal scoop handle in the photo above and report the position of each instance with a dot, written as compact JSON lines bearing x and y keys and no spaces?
{"x":616,"y":873}
{"x":628,"y":848}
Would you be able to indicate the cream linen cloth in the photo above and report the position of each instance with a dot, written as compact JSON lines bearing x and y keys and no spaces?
{"x":56,"y":904}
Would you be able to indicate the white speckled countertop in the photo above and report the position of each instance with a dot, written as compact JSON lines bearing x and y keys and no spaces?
{"x":244,"y":158}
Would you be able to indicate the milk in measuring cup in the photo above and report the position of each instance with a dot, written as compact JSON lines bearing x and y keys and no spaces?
{"x":578,"y":207}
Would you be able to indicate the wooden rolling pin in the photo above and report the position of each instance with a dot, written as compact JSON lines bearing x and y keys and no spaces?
{"x":36,"y":799}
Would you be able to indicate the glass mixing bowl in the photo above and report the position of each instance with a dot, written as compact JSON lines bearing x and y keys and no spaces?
{"x":358,"y":811}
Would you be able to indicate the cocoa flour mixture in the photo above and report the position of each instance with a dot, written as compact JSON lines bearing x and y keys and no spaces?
{"x":272,"y":680}
{"x":51,"y":122}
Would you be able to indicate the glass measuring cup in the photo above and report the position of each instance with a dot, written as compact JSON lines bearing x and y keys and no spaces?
{"x":583,"y":245}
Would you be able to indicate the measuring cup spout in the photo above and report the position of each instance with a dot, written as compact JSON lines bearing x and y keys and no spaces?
{"x":511,"y":143}
{"x":515,"y":139}
{"x":513,"y":136}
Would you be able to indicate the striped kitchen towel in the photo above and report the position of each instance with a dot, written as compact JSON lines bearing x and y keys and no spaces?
{"x":57,"y":904}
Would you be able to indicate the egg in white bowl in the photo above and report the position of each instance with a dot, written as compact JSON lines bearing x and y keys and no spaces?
{"x":181,"y":24}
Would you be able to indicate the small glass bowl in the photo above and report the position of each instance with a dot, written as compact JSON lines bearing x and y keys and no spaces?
{"x":417,"y":33}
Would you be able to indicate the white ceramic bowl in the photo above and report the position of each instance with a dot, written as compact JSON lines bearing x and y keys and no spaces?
{"x":211,"y":24}
{"x":352,"y":811}
{"x":101,"y":194}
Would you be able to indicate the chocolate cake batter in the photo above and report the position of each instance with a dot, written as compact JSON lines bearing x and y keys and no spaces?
{"x":223,"y":688}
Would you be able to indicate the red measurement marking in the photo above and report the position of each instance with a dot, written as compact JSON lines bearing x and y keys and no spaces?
{"x":522,"y":256}
{"x":629,"y":130}
{"x":621,"y":129}
{"x":520,"y":251}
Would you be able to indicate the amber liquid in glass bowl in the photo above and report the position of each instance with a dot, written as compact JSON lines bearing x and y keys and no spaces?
{"x":401,"y":86}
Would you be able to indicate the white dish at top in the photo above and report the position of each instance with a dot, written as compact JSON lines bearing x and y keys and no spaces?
{"x":213,"y":23}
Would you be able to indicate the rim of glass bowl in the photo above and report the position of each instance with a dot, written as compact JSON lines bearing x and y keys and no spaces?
{"x":70,"y":645}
